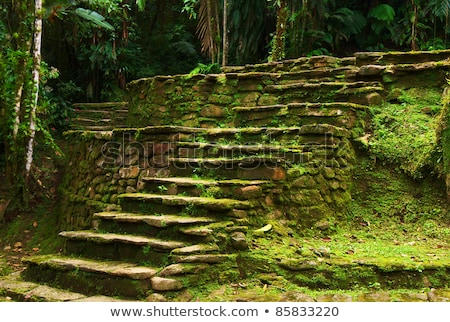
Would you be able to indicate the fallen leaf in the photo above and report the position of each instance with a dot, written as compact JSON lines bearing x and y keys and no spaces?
{"x":326,"y":239}
{"x":350,"y":252}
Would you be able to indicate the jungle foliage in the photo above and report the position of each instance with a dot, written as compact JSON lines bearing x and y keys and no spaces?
{"x":92,"y":48}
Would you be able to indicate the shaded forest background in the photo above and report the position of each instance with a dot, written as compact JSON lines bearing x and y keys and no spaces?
{"x":92,"y":48}
{"x":157,"y":37}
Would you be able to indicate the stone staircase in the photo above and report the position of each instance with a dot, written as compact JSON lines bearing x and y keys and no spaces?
{"x":99,"y":116}
{"x":196,"y":183}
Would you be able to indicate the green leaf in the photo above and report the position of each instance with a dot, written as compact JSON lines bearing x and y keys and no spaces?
{"x":94,"y":17}
{"x":382,"y":12}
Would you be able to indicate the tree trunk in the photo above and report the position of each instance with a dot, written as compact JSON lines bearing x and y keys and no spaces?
{"x":278,"y":46}
{"x":35,"y":80}
{"x":414,"y":45}
{"x":225,"y":34}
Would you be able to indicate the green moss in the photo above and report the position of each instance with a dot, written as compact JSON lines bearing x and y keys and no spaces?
{"x":404,"y":134}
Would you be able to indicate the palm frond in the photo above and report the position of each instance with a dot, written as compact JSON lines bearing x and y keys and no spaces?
{"x":206,"y":29}
{"x":440,"y":8}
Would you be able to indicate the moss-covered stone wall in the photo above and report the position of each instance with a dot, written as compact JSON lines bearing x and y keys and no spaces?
{"x":312,"y":110}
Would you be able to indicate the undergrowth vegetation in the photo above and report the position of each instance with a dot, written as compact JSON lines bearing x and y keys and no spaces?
{"x":404,"y":131}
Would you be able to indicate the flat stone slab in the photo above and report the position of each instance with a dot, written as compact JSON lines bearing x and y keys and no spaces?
{"x":341,"y":86}
{"x":340,"y":105}
{"x":87,"y":265}
{"x":100,"y":298}
{"x":28,"y":291}
{"x":126,"y":239}
{"x":195,"y":249}
{"x":242,"y":148}
{"x":155,"y":221}
{"x":206,"y":258}
{"x":197,"y":231}
{"x":208,"y":229}
{"x":182,"y":269}
{"x":230,"y":162}
{"x":187,"y":182}
{"x":222,"y":204}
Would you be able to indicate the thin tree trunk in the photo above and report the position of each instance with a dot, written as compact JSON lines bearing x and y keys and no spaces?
{"x":35,"y":80}
{"x":278,"y":48}
{"x":225,"y":34}
{"x":217,"y":31}
{"x":414,"y":45}
{"x":211,"y":32}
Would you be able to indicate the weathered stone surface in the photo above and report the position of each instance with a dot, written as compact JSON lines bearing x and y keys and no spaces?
{"x":156,"y":297}
{"x":299,"y":265}
{"x":182,"y":269}
{"x":155,"y":221}
{"x":127,"y":239}
{"x":239,"y":241}
{"x":28,"y":291}
{"x":374,"y":99}
{"x":212,"y":111}
{"x":248,"y":192}
{"x":166,"y":284}
{"x":304,"y":182}
{"x":209,"y":203}
{"x":195,"y":249}
{"x":129,"y":173}
{"x":371,"y":70}
{"x":110,"y":268}
{"x":210,"y":258}
{"x":197,"y":231}
{"x":334,"y":298}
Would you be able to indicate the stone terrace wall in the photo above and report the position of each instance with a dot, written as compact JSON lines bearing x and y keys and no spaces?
{"x":308,"y":100}
{"x":208,"y":100}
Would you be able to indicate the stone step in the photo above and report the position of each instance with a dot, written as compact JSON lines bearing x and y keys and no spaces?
{"x":359,"y":92}
{"x":397,"y":57}
{"x":107,"y":238}
{"x":82,"y":121}
{"x":264,"y":134}
{"x":111,"y":246}
{"x":343,"y":114}
{"x":202,"y":258}
{"x":196,"y":249}
{"x":19,"y":290}
{"x":101,"y":106}
{"x":194,"y":150}
{"x":118,"y":269}
{"x":319,"y":74}
{"x":163,"y":226}
{"x":94,"y":128}
{"x":183,"y":269}
{"x":179,"y":204}
{"x":331,"y":86}
{"x":297,"y":64}
{"x":238,"y":188}
{"x":94,"y":277}
{"x":249,"y":168}
{"x":155,"y":221}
